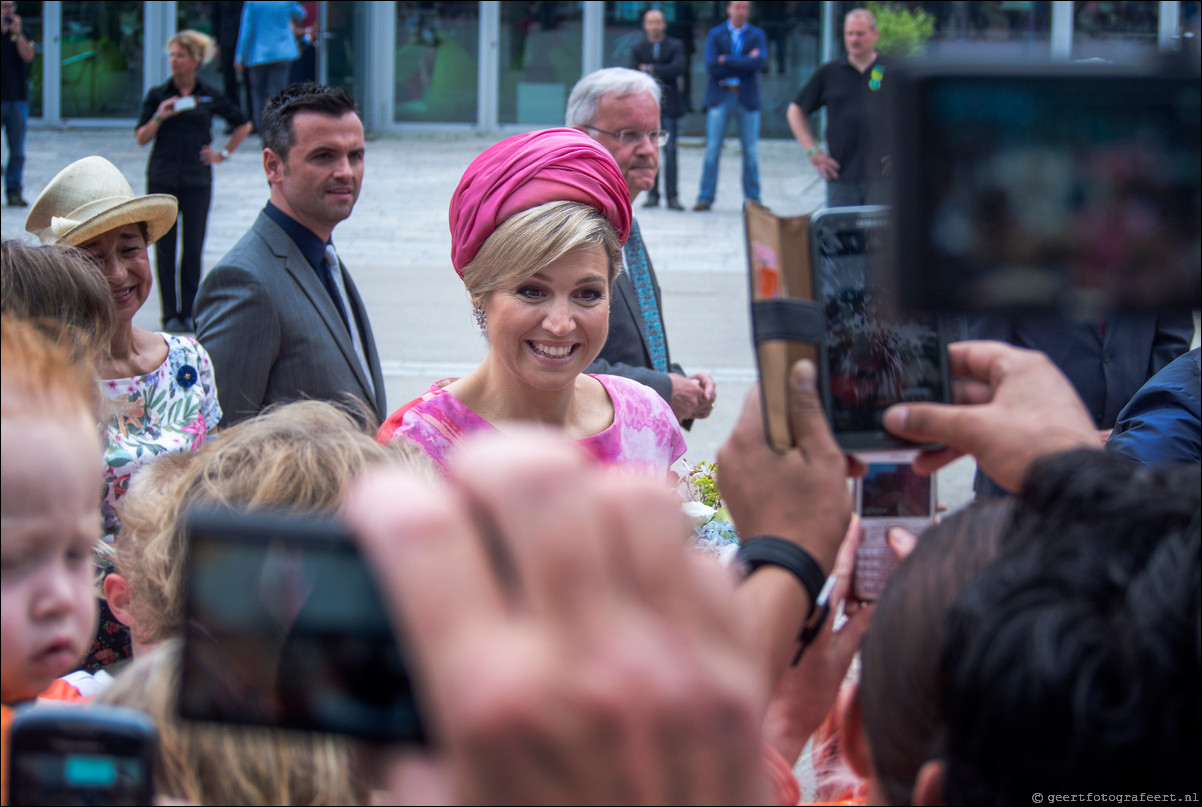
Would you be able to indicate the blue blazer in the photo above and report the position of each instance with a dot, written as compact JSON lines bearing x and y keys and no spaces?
{"x":745,"y":68}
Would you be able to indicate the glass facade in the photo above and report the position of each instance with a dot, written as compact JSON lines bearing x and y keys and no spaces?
{"x":1116,"y":32}
{"x":101,"y":74}
{"x":538,"y":61}
{"x":437,"y":62}
{"x":1006,"y":31}
{"x":414,"y":62}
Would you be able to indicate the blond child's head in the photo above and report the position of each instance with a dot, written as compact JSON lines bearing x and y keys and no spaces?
{"x":300,"y":457}
{"x":206,"y":763}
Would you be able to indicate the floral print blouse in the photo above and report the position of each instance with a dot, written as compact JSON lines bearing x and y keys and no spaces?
{"x":168,"y":409}
{"x":644,"y":437}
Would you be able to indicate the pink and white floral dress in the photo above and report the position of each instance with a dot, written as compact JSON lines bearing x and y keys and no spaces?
{"x":644,"y":436}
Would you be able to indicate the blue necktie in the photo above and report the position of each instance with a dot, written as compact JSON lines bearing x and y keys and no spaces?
{"x":640,"y":276}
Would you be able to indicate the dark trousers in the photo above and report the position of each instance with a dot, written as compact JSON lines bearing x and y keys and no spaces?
{"x":669,"y":173}
{"x":234,"y":89}
{"x":265,"y":81}
{"x":194,"y":216}
{"x":852,"y":192}
{"x":13,"y":115}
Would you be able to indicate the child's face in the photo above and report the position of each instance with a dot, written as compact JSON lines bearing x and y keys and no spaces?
{"x":50,"y":500}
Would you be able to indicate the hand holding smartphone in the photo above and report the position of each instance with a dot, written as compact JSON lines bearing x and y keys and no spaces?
{"x":817,"y":290}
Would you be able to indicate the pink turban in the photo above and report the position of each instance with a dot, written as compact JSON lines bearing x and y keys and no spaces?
{"x":525,"y":171}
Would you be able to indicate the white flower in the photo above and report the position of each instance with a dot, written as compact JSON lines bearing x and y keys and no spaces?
{"x":698,"y":513}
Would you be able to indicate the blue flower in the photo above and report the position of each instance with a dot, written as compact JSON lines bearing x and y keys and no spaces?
{"x":186,"y":376}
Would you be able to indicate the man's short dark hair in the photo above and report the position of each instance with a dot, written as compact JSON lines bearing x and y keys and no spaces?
{"x":1072,"y":664}
{"x":308,"y":96}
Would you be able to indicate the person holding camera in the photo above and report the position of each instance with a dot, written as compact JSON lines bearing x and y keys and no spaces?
{"x":178,"y":117}
{"x":16,"y":53}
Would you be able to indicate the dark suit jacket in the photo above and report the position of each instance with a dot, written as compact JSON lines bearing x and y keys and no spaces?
{"x":666,"y":69}
{"x":745,"y":68}
{"x":273,"y":331}
{"x":1107,"y":368}
{"x":625,"y":352}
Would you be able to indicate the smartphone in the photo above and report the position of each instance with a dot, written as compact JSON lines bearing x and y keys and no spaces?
{"x":870,"y":357}
{"x":285,"y":627}
{"x":1063,"y":188}
{"x":185,"y":103}
{"x":891,"y":494}
{"x":94,"y":754}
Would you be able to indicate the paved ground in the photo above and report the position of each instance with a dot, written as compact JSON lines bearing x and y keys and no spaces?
{"x":397,"y":245}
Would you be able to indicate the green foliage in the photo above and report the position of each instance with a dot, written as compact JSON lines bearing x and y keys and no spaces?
{"x":703,"y":479}
{"x":904,"y":32}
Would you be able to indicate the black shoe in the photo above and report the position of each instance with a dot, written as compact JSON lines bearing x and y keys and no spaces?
{"x":652,"y":201}
{"x":16,"y":200}
{"x":675,"y":205}
{"x":701,"y":207}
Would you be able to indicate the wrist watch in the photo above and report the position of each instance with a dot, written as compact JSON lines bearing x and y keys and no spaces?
{"x":225,"y":154}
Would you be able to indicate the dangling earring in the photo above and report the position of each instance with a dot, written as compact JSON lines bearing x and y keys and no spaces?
{"x":481,"y":319}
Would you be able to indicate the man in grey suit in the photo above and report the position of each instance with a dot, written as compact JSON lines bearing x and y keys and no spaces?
{"x":280,"y":316}
{"x":620,"y":109}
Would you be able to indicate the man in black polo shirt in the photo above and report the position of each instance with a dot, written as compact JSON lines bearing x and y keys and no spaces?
{"x":850,"y":90}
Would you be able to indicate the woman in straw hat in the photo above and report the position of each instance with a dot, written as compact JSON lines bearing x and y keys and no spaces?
{"x":178,"y":117}
{"x":161,"y":385}
{"x":537,"y":226}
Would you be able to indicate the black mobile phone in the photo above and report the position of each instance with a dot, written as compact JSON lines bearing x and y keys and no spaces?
{"x":285,"y":627}
{"x":891,"y":494}
{"x":95,"y":754}
{"x":1072,"y":188}
{"x":871,"y":357}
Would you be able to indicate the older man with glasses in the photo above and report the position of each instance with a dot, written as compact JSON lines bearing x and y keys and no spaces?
{"x":620,"y":109}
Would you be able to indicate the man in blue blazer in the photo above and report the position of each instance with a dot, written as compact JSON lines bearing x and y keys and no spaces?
{"x":280,"y":315}
{"x":735,"y":52}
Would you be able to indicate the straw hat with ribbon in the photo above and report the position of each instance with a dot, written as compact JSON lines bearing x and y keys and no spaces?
{"x":90,"y":197}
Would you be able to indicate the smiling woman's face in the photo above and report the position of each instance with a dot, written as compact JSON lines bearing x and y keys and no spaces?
{"x":547,"y":329}
{"x":126,"y":265}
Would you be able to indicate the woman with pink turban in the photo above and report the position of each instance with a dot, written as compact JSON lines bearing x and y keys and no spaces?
{"x":537,"y":227}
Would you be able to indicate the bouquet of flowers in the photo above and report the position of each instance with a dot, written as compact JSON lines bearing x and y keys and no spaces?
{"x":713,"y":531}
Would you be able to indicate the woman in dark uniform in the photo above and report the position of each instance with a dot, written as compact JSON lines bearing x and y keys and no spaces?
{"x":178,"y":117}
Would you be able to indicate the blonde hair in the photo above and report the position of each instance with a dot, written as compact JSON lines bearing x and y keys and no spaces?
{"x":39,"y":377}
{"x":199,"y":46}
{"x":63,"y":284}
{"x":528,"y":241}
{"x":207,"y":763}
{"x":299,"y":457}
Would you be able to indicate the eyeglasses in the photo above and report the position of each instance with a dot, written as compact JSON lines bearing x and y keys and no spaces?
{"x":632,"y":137}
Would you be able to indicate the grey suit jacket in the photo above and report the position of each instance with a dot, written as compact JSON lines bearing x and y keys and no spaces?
{"x":273,"y":332}
{"x":625,"y":352}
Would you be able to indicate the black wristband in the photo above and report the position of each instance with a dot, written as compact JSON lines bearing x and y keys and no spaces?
{"x":769,"y":550}
{"x":773,"y":551}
